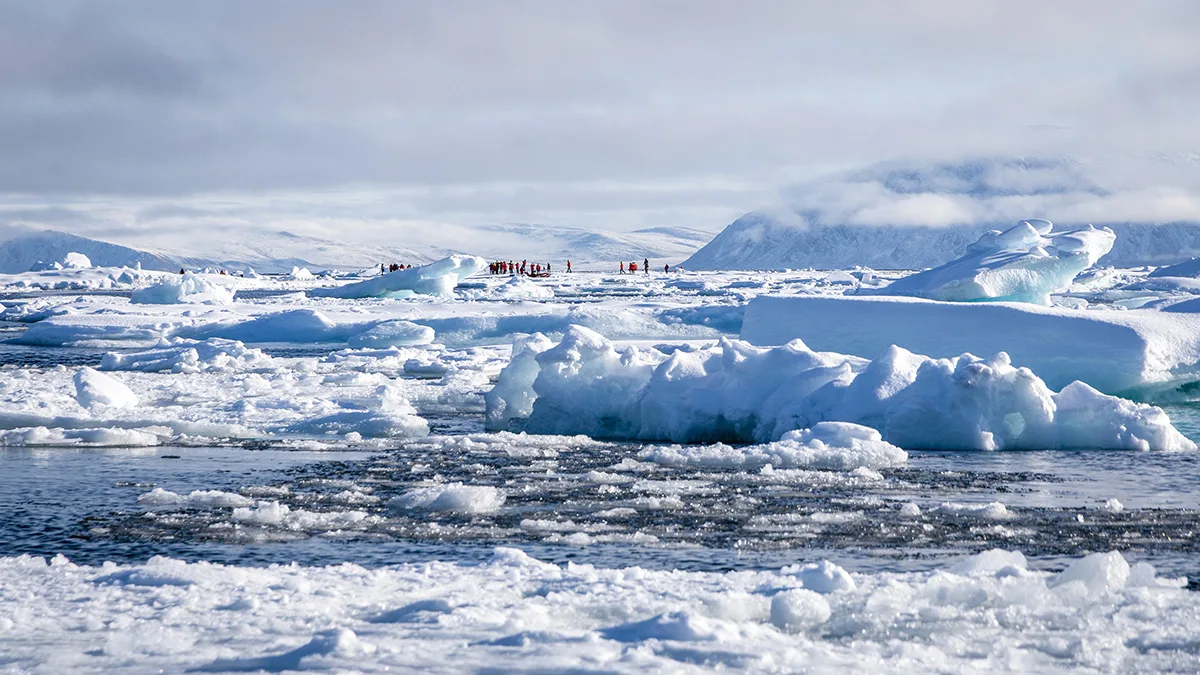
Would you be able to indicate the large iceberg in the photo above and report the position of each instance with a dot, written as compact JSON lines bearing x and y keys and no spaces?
{"x":1025,"y":263}
{"x":436,"y":278}
{"x":1115,"y":351}
{"x":735,"y":392}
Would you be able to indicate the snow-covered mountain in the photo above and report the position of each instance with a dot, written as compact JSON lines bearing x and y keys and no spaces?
{"x":555,"y":243}
{"x":915,"y":215}
{"x":25,"y":252}
{"x":280,"y":251}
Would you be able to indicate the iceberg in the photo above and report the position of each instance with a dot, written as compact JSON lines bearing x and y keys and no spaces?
{"x":1115,"y":351}
{"x":1025,"y":263}
{"x":183,"y":289}
{"x":1186,"y":269}
{"x":436,"y":278}
{"x":735,"y":392}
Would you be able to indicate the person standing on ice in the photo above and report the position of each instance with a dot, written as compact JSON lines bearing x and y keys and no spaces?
{"x":646,"y":265}
{"x":568,"y":267}
{"x":666,"y":269}
{"x":622,"y":268}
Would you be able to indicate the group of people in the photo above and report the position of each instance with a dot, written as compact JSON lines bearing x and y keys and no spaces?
{"x":384,"y":268}
{"x":523,"y":268}
{"x":633,"y":267}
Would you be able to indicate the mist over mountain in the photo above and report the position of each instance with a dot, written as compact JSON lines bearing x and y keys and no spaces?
{"x":909,"y":215}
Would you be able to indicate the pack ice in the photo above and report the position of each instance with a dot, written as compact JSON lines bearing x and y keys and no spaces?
{"x":1025,"y":263}
{"x":988,"y":613}
{"x":735,"y":392}
{"x":436,"y":278}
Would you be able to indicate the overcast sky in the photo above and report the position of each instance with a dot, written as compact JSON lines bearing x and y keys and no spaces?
{"x":375,"y":119}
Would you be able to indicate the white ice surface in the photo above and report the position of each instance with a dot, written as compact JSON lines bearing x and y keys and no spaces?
{"x":1025,"y":263}
{"x":184,"y":289}
{"x":733,"y":391}
{"x":436,"y":278}
{"x":988,"y":613}
{"x":1113,"y":351}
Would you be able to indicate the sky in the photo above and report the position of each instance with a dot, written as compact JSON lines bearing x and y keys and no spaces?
{"x":146,"y":121}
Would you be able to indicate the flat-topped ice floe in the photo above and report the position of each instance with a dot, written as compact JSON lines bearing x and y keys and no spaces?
{"x":436,"y":278}
{"x":735,"y":392}
{"x":1025,"y":263}
{"x":1114,"y":351}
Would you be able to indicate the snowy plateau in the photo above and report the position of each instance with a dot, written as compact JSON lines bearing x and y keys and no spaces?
{"x":986,"y":466}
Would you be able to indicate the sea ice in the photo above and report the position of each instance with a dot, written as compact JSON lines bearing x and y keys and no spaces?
{"x":451,"y":497}
{"x":1114,"y":351}
{"x":437,"y":278}
{"x":179,"y":355}
{"x":93,"y":388}
{"x":1025,"y":263}
{"x":184,"y":289}
{"x":518,"y":613}
{"x":735,"y":392}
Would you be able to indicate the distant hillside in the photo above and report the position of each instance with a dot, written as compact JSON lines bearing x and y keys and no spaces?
{"x":553,"y":243}
{"x":280,"y":251}
{"x":910,"y":216}
{"x":22,"y":253}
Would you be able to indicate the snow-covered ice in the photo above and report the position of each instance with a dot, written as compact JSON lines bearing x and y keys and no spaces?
{"x":185,"y":289}
{"x":436,"y":278}
{"x":1025,"y":263}
{"x":515,"y":612}
{"x":707,"y":502}
{"x":733,"y":391}
{"x":1113,"y":350}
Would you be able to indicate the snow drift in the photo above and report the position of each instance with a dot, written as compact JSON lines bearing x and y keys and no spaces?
{"x":735,"y":392}
{"x":1025,"y":263}
{"x":437,"y":278}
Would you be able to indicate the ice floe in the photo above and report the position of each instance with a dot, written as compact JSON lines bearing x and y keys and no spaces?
{"x":733,"y":391}
{"x":184,"y":289}
{"x":436,"y":278}
{"x":1025,"y":263}
{"x":1115,"y":351}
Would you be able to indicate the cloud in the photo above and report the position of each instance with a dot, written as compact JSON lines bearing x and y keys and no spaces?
{"x":167,"y":102}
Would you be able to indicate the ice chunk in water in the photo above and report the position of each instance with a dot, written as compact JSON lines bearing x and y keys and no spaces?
{"x":1025,"y":263}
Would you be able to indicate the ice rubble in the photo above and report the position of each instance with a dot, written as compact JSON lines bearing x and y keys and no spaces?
{"x":184,"y":289}
{"x":733,"y":391}
{"x":436,"y":278}
{"x":989,"y":612}
{"x":1025,"y":263}
{"x":179,"y":355}
{"x":1113,"y":351}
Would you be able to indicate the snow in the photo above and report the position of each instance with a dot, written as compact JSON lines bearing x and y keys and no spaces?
{"x":437,"y":278}
{"x":76,"y":261}
{"x":1113,"y":351}
{"x":179,"y":355}
{"x":186,"y":289}
{"x":734,"y":391}
{"x":1186,"y":269}
{"x":917,"y":214}
{"x":836,"y":446}
{"x":1023,"y":264}
{"x":516,"y":612}
{"x":395,"y":333}
{"x":93,"y":388}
